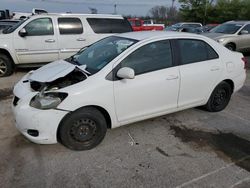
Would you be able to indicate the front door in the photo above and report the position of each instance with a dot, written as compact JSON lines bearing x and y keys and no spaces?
{"x":39,"y":45}
{"x":154,"y":90}
{"x":244,"y":39}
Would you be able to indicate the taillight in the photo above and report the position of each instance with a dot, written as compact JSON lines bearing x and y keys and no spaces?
{"x":244,"y":59}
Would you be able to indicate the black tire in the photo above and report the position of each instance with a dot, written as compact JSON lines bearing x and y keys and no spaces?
{"x":231,"y":46}
{"x":83,"y":129}
{"x":6,"y":66}
{"x":219,"y":98}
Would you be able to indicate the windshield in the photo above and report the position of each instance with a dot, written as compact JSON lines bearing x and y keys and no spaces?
{"x":101,"y":53}
{"x":14,"y":27}
{"x":226,"y":28}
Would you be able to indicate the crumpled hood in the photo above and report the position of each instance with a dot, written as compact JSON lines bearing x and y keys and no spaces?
{"x":53,"y":71}
{"x":217,"y":35}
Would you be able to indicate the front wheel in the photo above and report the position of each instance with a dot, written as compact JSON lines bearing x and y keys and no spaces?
{"x":83,"y":129}
{"x":6,"y":66}
{"x":219,"y":98}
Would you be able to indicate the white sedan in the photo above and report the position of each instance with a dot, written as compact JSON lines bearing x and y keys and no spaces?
{"x":123,"y":79}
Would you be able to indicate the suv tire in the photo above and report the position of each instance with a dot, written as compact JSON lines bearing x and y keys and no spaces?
{"x":6,"y":65}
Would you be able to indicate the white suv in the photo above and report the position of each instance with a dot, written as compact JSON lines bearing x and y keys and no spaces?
{"x":44,"y":38}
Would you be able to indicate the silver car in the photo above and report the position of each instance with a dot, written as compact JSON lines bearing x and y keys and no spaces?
{"x":235,"y":35}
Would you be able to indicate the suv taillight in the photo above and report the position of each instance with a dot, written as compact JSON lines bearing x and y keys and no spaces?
{"x":244,"y":59}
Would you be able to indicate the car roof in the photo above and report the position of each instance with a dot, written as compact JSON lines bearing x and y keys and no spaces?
{"x":10,"y":21}
{"x":191,"y":23}
{"x":239,"y":22}
{"x":79,"y":15}
{"x":142,"y":35}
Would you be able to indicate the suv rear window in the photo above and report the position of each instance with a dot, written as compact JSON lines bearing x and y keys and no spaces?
{"x":107,"y":25}
{"x":70,"y":26}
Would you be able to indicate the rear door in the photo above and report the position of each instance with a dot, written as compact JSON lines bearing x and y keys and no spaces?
{"x":71,"y":36}
{"x":200,"y":69}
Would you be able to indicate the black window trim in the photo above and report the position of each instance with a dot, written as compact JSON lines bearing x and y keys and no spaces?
{"x":112,"y":75}
{"x":178,"y":50}
{"x":41,"y":35}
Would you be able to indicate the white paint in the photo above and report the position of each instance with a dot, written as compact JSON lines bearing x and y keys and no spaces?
{"x":146,"y":96}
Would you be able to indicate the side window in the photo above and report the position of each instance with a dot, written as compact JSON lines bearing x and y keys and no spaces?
{"x":107,"y":25}
{"x":70,"y":26}
{"x":193,"y":51}
{"x":38,"y":27}
{"x":151,"y":57}
{"x":247,"y":28}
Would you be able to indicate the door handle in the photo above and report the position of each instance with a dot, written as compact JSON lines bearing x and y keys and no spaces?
{"x":50,"y":40}
{"x":215,"y":68}
{"x":81,"y":39}
{"x":172,"y":77}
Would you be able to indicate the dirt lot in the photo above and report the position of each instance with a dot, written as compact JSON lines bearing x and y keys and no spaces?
{"x":192,"y":148}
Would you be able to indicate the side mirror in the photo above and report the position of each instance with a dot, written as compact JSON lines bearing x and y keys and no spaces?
{"x":126,"y":73}
{"x":244,"y":32}
{"x":23,"y":32}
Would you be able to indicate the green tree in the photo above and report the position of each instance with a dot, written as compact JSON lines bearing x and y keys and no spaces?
{"x":195,"y":10}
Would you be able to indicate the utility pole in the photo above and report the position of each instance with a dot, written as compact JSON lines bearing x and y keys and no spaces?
{"x":115,"y":11}
{"x":205,"y":13}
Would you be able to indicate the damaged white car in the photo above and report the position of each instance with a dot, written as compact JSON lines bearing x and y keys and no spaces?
{"x":123,"y":79}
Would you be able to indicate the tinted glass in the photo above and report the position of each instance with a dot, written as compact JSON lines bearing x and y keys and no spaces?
{"x":192,"y":25}
{"x":247,"y":28}
{"x":195,"y":51}
{"x":14,"y":27}
{"x":41,"y":26}
{"x":227,"y":28}
{"x":101,"y":53}
{"x":103,"y":25}
{"x":69,"y":26}
{"x":151,"y":57}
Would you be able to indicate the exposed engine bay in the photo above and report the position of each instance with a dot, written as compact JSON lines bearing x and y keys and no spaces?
{"x":76,"y":76}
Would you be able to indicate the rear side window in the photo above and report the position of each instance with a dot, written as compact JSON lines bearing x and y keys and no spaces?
{"x":106,"y":25}
{"x":193,"y":51}
{"x":151,"y":57}
{"x":70,"y":26}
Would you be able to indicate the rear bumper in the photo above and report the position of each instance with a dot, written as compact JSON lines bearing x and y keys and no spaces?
{"x":239,"y":81}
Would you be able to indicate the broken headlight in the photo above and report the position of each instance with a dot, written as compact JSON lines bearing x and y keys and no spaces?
{"x":45,"y":101}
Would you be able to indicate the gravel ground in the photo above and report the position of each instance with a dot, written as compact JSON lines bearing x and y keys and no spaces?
{"x":192,"y":148}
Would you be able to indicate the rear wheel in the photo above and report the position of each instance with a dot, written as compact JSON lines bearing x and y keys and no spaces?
{"x":83,"y":129}
{"x":219,"y":98}
{"x":6,"y":65}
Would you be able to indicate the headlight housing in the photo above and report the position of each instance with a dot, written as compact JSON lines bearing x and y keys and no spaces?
{"x":46,"y":101}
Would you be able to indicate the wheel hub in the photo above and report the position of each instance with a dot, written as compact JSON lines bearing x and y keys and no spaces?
{"x":220,"y":97}
{"x":83,"y":130}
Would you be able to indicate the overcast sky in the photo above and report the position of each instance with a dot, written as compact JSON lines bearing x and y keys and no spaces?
{"x":125,"y":7}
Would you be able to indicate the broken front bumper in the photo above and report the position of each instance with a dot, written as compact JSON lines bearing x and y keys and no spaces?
{"x":29,"y":120}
